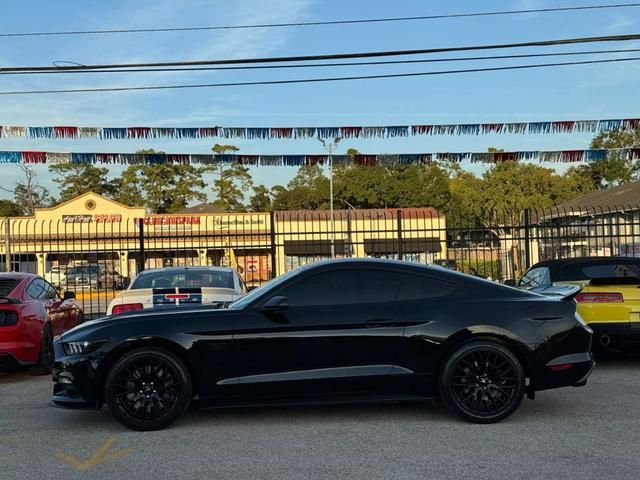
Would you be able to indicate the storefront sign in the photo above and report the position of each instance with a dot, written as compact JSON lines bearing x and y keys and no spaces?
{"x":88,"y":218}
{"x":243,"y":221}
{"x":172,"y":220}
{"x":77,"y":218}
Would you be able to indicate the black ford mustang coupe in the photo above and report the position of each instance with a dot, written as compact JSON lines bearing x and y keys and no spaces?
{"x":335,"y":331}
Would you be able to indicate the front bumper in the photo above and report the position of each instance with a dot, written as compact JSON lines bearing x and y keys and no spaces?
{"x":74,"y":381}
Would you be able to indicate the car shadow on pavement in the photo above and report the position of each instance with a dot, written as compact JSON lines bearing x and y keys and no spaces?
{"x":19,"y":376}
{"x":318,"y":413}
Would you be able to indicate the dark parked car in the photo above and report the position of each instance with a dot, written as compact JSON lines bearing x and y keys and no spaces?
{"x":337,"y":331}
{"x":93,"y":277}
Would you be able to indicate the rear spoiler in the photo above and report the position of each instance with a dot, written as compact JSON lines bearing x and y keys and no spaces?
{"x":561,"y":292}
{"x":11,"y":300}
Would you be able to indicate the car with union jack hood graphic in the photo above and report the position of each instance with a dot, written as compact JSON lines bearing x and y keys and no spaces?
{"x":174,"y":286}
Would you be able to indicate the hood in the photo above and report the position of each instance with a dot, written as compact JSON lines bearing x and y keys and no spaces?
{"x":85,"y":329}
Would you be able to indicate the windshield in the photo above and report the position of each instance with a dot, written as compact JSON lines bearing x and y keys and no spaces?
{"x":263,"y":290}
{"x":612,"y":270}
{"x":184,"y":279}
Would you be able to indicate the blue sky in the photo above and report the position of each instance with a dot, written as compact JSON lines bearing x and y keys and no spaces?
{"x":601,"y":91}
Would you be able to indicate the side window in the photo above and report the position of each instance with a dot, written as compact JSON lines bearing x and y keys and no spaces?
{"x":51,"y":293}
{"x":416,"y":287}
{"x":536,"y":277}
{"x":36,"y":289}
{"x":343,"y":287}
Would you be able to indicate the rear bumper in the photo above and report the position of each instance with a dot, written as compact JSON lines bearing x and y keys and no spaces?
{"x":9,"y":363}
{"x":570,"y":370}
{"x":616,"y":335}
{"x":24,"y":353}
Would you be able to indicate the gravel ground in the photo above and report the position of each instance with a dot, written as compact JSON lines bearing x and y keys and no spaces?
{"x":583,"y":433}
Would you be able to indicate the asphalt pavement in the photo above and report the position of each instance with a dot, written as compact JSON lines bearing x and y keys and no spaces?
{"x":591,"y":432}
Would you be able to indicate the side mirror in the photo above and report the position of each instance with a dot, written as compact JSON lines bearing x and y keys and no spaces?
{"x":69,"y":296}
{"x":510,"y":282}
{"x":275,"y":304}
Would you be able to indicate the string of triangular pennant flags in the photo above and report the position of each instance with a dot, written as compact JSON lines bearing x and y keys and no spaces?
{"x":267,"y":133}
{"x":564,"y":156}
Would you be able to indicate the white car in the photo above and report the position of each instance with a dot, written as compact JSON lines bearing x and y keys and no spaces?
{"x":163,"y":287}
{"x":56,"y":276}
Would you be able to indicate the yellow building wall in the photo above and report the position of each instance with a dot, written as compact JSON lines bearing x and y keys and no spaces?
{"x":91,"y":226}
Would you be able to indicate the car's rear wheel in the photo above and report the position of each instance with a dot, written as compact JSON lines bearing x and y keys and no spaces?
{"x":482,"y":381}
{"x":45,"y":357}
{"x":148,"y":389}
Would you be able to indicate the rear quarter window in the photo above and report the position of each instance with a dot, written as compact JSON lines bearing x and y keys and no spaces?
{"x":7,"y":285}
{"x":416,"y":287}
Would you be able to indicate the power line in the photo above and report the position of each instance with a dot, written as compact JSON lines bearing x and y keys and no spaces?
{"x":312,"y":80}
{"x":338,"y":56}
{"x":338,"y":64}
{"x":322,"y":23}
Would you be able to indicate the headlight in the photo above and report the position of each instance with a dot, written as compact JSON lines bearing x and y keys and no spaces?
{"x":76,"y":348}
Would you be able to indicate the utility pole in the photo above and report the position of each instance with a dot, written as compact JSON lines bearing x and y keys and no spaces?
{"x":330,"y":146}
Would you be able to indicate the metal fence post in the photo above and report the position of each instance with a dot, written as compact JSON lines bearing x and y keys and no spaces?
{"x":527,"y":239}
{"x":399,"y":221}
{"x":141,"y":239}
{"x":272,"y":235}
{"x":7,"y":245}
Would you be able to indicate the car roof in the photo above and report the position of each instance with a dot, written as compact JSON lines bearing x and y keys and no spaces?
{"x":559,"y":263}
{"x":387,"y":263}
{"x":18,"y":275}
{"x":185,"y":269}
{"x":570,"y":269}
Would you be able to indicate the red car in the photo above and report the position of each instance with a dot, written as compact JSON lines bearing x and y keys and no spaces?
{"x":31,"y":315}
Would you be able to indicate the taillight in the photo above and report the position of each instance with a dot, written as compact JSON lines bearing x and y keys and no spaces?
{"x":178,"y":296}
{"x":8,"y":318}
{"x":559,"y":368}
{"x":127,"y":307}
{"x":599,"y":298}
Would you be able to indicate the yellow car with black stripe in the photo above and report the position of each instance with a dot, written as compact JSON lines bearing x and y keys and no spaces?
{"x":609,"y":301}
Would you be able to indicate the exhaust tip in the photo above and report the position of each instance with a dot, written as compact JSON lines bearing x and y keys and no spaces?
{"x":605,"y":340}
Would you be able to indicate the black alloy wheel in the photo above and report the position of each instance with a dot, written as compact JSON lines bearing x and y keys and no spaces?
{"x":482,"y":382}
{"x":148,"y":389}
{"x":45,"y":357}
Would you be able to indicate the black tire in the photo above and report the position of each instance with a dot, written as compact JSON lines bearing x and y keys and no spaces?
{"x":482,"y":382}
{"x":45,"y":356}
{"x":148,"y":389}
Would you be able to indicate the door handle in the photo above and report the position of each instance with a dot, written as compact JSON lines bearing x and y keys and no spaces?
{"x":381,"y":322}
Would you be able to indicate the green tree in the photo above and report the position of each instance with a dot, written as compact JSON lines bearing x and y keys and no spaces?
{"x":616,"y":169}
{"x":9,"y":208}
{"x":466,"y":207}
{"x":232,"y":181}
{"x":77,"y":178}
{"x":260,"y":201}
{"x":307,"y":190}
{"x":162,"y":188}
{"x":362,"y":187}
{"x":221,"y":149}
{"x":419,"y":186}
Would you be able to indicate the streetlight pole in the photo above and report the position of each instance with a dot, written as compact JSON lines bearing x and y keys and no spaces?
{"x":330,"y":146}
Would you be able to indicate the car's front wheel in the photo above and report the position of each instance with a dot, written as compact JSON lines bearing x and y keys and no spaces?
{"x":148,"y":389}
{"x":482,"y":381}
